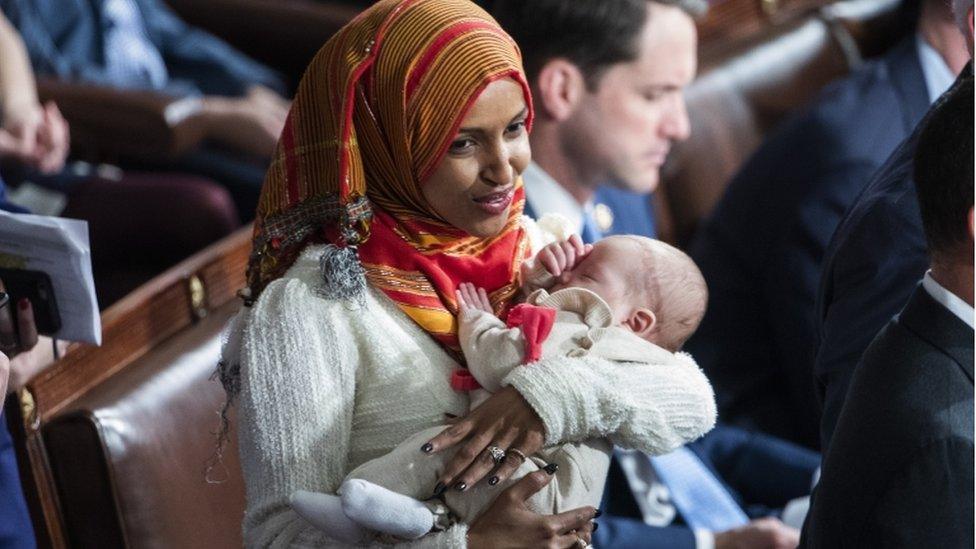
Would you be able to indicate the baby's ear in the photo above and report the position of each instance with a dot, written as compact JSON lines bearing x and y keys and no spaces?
{"x":642,"y":322}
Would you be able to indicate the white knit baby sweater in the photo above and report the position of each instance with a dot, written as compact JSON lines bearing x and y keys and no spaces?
{"x":327,"y":385}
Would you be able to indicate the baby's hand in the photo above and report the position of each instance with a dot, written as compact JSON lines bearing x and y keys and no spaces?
{"x":559,"y":257}
{"x":473,"y":299}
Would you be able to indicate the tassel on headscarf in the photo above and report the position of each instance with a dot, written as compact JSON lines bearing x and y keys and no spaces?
{"x":343,"y":276}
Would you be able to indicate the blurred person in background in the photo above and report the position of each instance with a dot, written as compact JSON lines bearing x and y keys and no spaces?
{"x":142,"y":45}
{"x":899,"y":471}
{"x":762,"y":248}
{"x":139,"y":224}
{"x":873,"y":263}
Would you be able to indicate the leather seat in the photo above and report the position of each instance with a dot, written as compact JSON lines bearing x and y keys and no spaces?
{"x":129,"y":457}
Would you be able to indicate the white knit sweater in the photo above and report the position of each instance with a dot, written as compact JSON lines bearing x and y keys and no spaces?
{"x":327,"y":385}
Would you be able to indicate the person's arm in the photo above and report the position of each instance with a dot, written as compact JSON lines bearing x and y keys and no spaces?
{"x":875,"y":269}
{"x":651,"y":408}
{"x":296,"y":406}
{"x":928,"y":502}
{"x":212,"y":65}
{"x":18,"y":94}
{"x":45,"y":57}
{"x":30,"y":133}
{"x":791,"y":276}
{"x":491,"y":349}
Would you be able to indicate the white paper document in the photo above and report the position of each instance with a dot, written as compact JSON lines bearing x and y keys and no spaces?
{"x":60,"y":248}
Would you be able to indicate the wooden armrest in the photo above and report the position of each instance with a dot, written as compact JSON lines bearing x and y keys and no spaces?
{"x":108,"y":124}
{"x":296,"y":28}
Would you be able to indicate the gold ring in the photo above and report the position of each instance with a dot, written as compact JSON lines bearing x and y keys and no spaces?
{"x":518,"y":453}
{"x":580,"y":542}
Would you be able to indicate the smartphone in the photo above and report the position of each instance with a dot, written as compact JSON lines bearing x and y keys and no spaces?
{"x":35,"y":286}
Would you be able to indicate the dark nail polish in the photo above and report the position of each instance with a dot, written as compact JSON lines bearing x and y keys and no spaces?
{"x":23,"y":304}
{"x":493,"y":481}
{"x":598,"y":514}
{"x":551,"y":469}
{"x":461,"y":486}
{"x":439,"y":489}
{"x":595,"y":526}
{"x":427,"y":448}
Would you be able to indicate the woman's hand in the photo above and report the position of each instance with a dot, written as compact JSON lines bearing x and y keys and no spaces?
{"x":506,"y":421}
{"x":509,"y":523}
{"x":36,"y":352}
{"x":37,"y":137}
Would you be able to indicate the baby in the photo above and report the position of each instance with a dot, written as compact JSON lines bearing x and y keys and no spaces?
{"x":626,"y":299}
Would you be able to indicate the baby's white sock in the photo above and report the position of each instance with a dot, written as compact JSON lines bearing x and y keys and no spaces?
{"x":324,"y":511}
{"x":385,"y":511}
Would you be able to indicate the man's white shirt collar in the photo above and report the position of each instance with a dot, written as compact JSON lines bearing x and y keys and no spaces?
{"x":949,"y":300}
{"x":938,"y":76}
{"x":545,"y":196}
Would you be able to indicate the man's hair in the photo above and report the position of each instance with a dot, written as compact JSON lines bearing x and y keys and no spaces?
{"x":944,"y":169}
{"x":960,"y":10}
{"x":592,"y":34}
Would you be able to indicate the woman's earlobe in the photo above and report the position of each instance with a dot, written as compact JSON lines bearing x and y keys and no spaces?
{"x":642,"y":322}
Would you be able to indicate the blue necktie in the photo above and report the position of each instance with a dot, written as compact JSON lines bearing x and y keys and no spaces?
{"x":701,"y":499}
{"x":590,"y":233}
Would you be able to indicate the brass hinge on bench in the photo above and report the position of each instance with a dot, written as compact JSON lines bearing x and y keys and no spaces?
{"x":198,"y":297}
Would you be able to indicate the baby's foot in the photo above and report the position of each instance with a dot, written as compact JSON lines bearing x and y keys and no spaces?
{"x":384,"y":510}
{"x":324,"y":511}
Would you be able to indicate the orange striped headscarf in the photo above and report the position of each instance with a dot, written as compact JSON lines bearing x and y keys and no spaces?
{"x":374,"y":115}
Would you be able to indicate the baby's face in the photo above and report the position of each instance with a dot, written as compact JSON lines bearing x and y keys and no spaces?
{"x":605,"y":272}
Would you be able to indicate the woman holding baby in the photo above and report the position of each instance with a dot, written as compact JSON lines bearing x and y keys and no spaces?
{"x":396,"y":180}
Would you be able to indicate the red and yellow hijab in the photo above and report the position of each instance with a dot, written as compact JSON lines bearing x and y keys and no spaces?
{"x":374,"y":114}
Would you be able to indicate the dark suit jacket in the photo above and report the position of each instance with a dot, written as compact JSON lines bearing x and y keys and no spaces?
{"x":632,"y":213}
{"x":899,"y":472}
{"x":762,"y":248}
{"x":875,"y":258}
{"x":64,"y":39}
{"x":761,"y":472}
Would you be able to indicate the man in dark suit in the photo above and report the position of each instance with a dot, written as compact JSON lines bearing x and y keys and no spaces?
{"x":761,"y":250}
{"x":142,"y":44}
{"x":899,"y":471}
{"x":874,"y":260}
{"x":607,"y":79}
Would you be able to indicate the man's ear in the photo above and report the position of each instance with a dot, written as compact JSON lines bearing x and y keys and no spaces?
{"x":561,"y":85}
{"x":642,"y":322}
